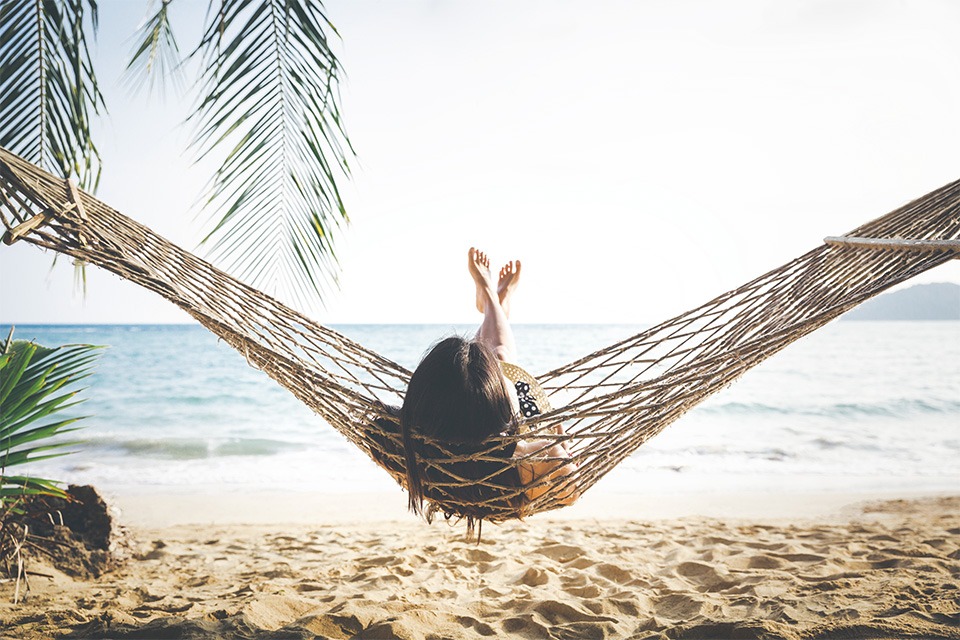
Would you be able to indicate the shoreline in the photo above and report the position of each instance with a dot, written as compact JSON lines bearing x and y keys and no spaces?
{"x":159,"y":509}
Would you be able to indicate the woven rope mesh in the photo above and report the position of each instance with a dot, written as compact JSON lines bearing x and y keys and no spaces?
{"x":609,"y":402}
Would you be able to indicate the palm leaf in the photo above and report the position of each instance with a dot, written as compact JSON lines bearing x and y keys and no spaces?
{"x":31,"y":412}
{"x":156,"y":58}
{"x":48,"y":85}
{"x":17,"y":433}
{"x":270,"y":109}
{"x":35,"y":384}
{"x":13,"y":488}
{"x":12,"y":365}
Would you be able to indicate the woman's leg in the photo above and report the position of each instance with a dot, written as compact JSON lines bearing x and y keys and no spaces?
{"x":493,"y":302}
{"x":509,"y":279}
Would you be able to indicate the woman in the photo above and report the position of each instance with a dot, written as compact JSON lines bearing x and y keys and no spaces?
{"x":465,"y":392}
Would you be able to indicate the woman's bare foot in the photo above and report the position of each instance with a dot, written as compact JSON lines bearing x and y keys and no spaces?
{"x":478,"y":263}
{"x":509,"y":279}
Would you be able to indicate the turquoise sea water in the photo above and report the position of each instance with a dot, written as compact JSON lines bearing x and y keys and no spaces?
{"x":855,"y":406}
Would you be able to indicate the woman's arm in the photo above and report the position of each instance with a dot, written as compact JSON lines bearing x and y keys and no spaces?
{"x":544,"y":463}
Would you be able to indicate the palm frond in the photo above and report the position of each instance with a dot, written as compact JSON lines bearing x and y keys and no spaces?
{"x":16,"y":487}
{"x":35,"y":383}
{"x":270,"y":107}
{"x":156,"y":58}
{"x":48,"y":85}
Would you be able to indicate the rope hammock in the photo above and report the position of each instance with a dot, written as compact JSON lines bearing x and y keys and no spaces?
{"x":609,"y":402}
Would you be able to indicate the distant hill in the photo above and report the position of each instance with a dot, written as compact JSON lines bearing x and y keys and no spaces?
{"x":939,"y":301}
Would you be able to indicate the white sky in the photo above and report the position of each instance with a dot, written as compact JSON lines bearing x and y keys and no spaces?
{"x":640,"y":157}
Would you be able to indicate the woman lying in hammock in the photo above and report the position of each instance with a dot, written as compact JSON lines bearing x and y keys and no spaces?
{"x":466,"y":391}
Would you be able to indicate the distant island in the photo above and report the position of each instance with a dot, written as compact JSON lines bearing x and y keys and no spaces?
{"x":939,"y":301}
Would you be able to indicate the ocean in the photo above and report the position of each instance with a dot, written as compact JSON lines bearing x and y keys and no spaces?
{"x":855,"y":406}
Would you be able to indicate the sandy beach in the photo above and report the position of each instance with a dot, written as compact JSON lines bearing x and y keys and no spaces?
{"x":823,"y":568}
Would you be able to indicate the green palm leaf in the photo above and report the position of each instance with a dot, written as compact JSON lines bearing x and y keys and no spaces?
{"x":270,"y":104}
{"x":156,"y":58}
{"x":15,"y":487}
{"x":48,"y":88}
{"x":35,"y":383}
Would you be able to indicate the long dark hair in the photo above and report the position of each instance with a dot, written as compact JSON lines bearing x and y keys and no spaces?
{"x":456,"y":396}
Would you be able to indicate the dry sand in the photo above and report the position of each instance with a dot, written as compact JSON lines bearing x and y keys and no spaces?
{"x":883,"y":570}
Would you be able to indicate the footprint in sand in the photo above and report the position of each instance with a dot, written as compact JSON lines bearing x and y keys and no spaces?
{"x":576,"y":579}
{"x":936,"y":543}
{"x":275,"y":611}
{"x":280,"y":572}
{"x":154,"y":554}
{"x":479,"y":555}
{"x":169,"y":608}
{"x":146,"y":595}
{"x":380,"y":561}
{"x":589,"y":591}
{"x":557,"y":612}
{"x":802,"y":557}
{"x":677,"y":606}
{"x":764,"y":562}
{"x":631,"y":607}
{"x":560,"y":552}
{"x":489,"y":592}
{"x":480,"y":627}
{"x":614,"y":573}
{"x":704,"y":576}
{"x":535,"y":577}
{"x":577,"y":584}
{"x":526,"y":624}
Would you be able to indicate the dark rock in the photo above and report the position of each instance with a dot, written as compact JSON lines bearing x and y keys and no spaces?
{"x":75,"y":535}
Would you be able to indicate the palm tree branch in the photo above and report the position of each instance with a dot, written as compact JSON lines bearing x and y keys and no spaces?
{"x":157,"y":56}
{"x":269,"y":99}
{"x":45,"y":62}
{"x":35,"y":383}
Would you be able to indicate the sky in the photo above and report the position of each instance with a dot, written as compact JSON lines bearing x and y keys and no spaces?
{"x":640,"y":157}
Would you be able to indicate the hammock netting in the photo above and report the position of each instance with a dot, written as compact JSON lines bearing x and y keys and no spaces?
{"x":609,"y":402}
